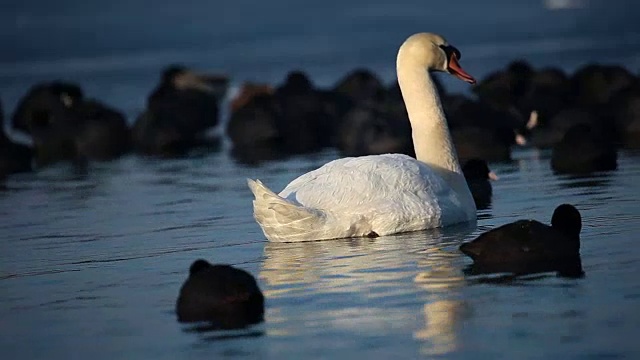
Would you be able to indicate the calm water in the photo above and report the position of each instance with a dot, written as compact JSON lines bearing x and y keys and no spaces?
{"x":91,"y":262}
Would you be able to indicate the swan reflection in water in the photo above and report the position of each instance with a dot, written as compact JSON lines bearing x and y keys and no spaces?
{"x":441,"y":278}
{"x":364,"y":287}
{"x":441,"y":319}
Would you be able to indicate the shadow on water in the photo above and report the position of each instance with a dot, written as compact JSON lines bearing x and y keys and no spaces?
{"x":517,"y":280}
{"x":484,"y":214}
{"x":569,"y":269}
{"x":212,"y":332}
{"x":254,"y":156}
{"x":591,"y":183}
{"x":222,"y":337}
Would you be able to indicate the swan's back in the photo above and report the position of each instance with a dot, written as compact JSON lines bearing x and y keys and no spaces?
{"x":394,"y":192}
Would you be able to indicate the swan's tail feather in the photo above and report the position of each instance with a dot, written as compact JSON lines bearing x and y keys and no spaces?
{"x":282,"y":220}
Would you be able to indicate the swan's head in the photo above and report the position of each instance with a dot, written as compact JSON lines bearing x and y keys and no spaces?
{"x":433,"y":52}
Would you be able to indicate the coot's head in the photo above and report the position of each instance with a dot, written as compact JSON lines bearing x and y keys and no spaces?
{"x":477,"y":169}
{"x":566,"y":218}
{"x":198,"y":266}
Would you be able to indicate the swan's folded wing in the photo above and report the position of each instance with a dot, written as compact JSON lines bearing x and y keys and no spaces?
{"x":399,"y":184}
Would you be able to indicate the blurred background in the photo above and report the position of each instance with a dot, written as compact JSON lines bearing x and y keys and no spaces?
{"x":116,"y":49}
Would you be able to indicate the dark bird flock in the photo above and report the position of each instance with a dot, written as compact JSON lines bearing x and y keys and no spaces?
{"x":586,"y":116}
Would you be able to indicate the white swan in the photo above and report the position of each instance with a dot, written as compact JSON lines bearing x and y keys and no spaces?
{"x":381,"y":194}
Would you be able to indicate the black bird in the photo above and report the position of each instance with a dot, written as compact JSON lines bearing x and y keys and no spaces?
{"x":44,"y":99}
{"x":477,"y":173}
{"x":64,"y":125}
{"x":528,"y":246}
{"x":14,"y":157}
{"x":362,"y":86}
{"x":226,"y":297}
{"x":583,"y":150}
{"x":625,"y":108}
{"x":294,"y":118}
{"x":179,"y":111}
{"x":102,"y":133}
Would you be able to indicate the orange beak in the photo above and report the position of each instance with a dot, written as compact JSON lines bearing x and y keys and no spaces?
{"x":456,"y":70}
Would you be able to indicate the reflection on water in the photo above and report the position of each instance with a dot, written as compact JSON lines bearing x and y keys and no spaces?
{"x":441,"y":318}
{"x":212,"y":333}
{"x":368,"y":271}
{"x":440,"y":276}
{"x":592,"y":184}
{"x":348,"y":264}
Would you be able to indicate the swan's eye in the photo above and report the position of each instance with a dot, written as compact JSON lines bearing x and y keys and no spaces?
{"x":449,"y":50}
{"x":457,"y":52}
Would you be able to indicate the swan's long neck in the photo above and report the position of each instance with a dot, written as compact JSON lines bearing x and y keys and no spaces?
{"x":430,"y":132}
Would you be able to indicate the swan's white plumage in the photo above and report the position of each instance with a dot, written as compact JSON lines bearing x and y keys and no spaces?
{"x":379,"y":194}
{"x":353,"y":197}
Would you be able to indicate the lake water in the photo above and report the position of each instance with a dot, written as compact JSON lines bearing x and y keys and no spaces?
{"x":91,"y":261}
